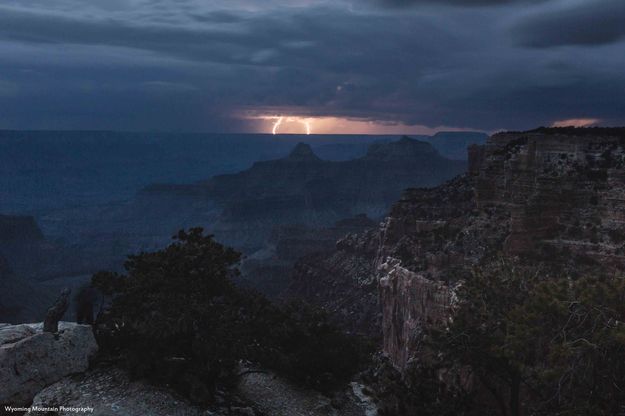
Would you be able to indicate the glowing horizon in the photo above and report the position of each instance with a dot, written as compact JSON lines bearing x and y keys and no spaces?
{"x":298,"y":124}
{"x":294,"y":124}
{"x":280,"y":120}
{"x":576,"y":122}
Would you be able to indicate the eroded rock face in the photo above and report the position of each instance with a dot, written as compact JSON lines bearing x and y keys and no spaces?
{"x":549,"y":196}
{"x":428,"y":245}
{"x":343,"y":282}
{"x":31,"y":359}
{"x":564,"y":192}
{"x":410,"y":302}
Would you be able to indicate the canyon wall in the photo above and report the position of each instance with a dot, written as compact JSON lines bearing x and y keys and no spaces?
{"x":554,"y":197}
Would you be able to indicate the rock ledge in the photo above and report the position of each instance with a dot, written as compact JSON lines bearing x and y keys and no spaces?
{"x":31,"y":359}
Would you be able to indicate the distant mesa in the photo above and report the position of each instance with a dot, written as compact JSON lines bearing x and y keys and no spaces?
{"x":302,"y":152}
{"x":302,"y":188}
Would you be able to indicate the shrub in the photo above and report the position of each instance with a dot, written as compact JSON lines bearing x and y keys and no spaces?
{"x":538,"y":345}
{"x":177,"y":319}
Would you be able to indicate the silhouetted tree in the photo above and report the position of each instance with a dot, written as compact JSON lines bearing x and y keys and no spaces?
{"x":177,"y":318}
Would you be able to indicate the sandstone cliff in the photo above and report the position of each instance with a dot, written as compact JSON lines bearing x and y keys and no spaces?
{"x":549,"y":196}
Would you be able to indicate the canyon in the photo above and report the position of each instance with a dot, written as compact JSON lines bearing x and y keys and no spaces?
{"x":550,"y":196}
{"x":275,"y":211}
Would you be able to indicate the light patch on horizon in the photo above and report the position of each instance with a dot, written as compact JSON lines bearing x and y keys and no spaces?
{"x":288,"y":125}
{"x":576,"y":122}
{"x":291,"y":124}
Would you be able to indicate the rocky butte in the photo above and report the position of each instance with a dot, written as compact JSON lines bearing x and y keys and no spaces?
{"x":549,"y":196}
{"x":303,"y":189}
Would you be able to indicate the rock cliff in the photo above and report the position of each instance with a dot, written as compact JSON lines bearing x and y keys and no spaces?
{"x":269,"y":271}
{"x":548,"y":196}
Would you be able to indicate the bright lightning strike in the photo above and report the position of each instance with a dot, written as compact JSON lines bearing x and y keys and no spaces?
{"x":279,"y":121}
{"x":277,"y":124}
{"x":307,"y":124}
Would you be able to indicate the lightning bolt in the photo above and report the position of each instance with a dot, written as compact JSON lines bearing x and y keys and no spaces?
{"x":279,"y":120}
{"x":307,"y":124}
{"x":277,"y":124}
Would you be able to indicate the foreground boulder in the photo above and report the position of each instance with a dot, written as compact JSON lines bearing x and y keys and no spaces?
{"x":31,"y":359}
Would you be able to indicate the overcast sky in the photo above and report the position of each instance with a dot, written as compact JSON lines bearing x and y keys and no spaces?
{"x":370,"y":65}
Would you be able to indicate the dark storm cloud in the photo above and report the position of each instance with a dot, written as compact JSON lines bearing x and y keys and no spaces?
{"x":463,"y":3}
{"x":183,"y":65}
{"x":216,"y":17}
{"x":593,"y":22}
{"x":177,"y":41}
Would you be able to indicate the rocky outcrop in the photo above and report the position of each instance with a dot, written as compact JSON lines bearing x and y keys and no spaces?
{"x":549,"y":196}
{"x":31,"y":359}
{"x":271,"y":272}
{"x":564,"y":192}
{"x":367,"y":282}
{"x":242,"y":209}
{"x":343,"y":282}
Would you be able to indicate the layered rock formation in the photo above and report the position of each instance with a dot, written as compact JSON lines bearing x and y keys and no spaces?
{"x":270,"y":270}
{"x":31,"y":359}
{"x":549,"y":196}
{"x":343,"y":282}
{"x":303,"y":189}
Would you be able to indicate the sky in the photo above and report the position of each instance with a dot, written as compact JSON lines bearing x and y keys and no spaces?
{"x":325,"y":66}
